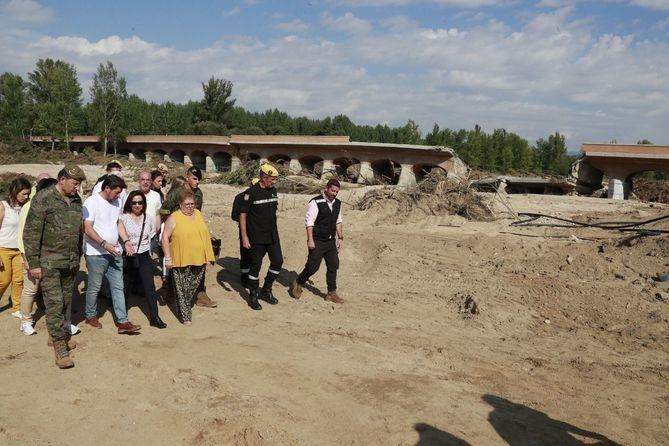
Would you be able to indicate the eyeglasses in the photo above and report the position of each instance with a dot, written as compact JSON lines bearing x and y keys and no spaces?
{"x":138,"y":203}
{"x":189,"y":204}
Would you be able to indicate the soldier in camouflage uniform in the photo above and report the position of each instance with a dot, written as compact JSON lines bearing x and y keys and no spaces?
{"x":53,"y":246}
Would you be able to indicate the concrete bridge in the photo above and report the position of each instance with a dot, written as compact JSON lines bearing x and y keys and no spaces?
{"x":400,"y":164}
{"x":619,"y":162}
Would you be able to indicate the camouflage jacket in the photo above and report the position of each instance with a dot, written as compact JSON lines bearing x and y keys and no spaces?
{"x":171,"y":202}
{"x":53,"y":233}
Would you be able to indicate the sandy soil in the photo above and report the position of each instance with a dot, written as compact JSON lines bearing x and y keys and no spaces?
{"x":568,"y":345}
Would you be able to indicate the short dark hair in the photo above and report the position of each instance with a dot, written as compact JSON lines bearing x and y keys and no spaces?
{"x":113,"y":181}
{"x":127,"y":207}
{"x":155,"y":174}
{"x":333,"y":182}
{"x":44,"y":183}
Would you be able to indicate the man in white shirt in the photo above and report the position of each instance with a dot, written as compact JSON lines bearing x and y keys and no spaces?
{"x":152,"y":200}
{"x":324,"y":240}
{"x":103,"y":254}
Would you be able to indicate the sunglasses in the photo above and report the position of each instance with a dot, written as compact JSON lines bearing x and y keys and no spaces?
{"x":137,"y":203}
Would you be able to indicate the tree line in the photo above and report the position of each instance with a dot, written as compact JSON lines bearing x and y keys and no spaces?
{"x":50,"y":102}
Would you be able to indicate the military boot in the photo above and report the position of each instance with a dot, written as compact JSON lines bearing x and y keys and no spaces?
{"x":71,"y":345}
{"x":63,"y":359}
{"x":204,"y":301}
{"x":295,"y":290}
{"x":253,"y":300}
{"x":268,"y":297}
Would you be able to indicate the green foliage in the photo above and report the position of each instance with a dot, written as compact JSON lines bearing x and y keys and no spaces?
{"x":216,"y":104}
{"x":56,"y":94}
{"x":552,"y":154}
{"x":108,"y":93}
{"x":15,"y":108}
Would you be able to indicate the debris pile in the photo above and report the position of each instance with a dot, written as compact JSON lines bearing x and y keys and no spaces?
{"x":438,"y":194}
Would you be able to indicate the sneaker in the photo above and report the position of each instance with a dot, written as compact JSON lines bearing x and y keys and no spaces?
{"x":72,"y":328}
{"x":27,"y":328}
{"x":128,"y":327}
{"x":94,"y":322}
{"x":17,"y":314}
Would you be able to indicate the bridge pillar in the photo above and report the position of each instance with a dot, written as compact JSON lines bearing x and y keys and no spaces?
{"x":167,"y":158}
{"x":148,"y":156}
{"x":187,"y":160}
{"x":295,"y":167}
{"x":131,"y":156}
{"x":366,"y":175}
{"x":235,"y":163}
{"x":210,"y":166}
{"x":328,"y":170}
{"x":618,"y":189}
{"x":407,"y":176}
{"x":263,"y":160}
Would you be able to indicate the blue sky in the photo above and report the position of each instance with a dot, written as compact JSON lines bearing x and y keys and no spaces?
{"x":592,"y":70}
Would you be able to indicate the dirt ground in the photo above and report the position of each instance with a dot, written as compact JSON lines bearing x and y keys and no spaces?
{"x":566,"y":345}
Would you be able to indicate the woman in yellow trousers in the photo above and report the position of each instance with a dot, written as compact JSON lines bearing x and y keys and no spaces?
{"x":11,"y":264}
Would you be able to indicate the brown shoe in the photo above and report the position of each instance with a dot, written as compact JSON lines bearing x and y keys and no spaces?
{"x":71,"y":345}
{"x":63,"y":359}
{"x":332,"y":296}
{"x":128,"y":327}
{"x":204,"y":301}
{"x":94,"y":322}
{"x":295,"y":290}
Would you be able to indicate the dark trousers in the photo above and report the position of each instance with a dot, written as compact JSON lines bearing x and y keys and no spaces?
{"x":325,"y":249}
{"x":258,"y":251}
{"x":244,"y":258}
{"x":142,"y":275}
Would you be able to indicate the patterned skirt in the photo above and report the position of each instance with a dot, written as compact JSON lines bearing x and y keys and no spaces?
{"x":186,"y":280}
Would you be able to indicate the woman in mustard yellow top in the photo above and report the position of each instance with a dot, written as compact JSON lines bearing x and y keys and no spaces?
{"x":187,"y":247}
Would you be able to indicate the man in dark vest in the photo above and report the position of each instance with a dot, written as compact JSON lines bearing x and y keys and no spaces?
{"x":324,"y":239}
{"x":257,"y":223}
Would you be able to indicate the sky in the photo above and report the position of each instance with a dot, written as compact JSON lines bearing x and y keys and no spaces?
{"x":595,"y":71}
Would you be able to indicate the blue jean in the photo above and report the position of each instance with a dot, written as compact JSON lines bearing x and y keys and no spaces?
{"x":111,"y":268}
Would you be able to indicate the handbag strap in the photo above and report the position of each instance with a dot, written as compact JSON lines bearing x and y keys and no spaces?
{"x":141,"y":233}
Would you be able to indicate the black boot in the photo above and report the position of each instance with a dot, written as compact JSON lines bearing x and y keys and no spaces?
{"x":157,"y":322}
{"x":268,"y":297}
{"x":253,"y":300}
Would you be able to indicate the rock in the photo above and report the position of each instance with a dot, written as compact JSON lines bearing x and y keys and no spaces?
{"x":662,"y":296}
{"x":570,"y":260}
{"x":663,"y":277}
{"x":619,"y":275}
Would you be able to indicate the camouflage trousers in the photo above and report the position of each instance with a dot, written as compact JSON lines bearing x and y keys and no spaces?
{"x":57,"y":288}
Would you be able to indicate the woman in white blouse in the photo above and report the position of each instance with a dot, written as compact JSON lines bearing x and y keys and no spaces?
{"x":139,"y":228}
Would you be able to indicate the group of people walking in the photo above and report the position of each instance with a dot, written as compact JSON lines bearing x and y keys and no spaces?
{"x":44,"y":231}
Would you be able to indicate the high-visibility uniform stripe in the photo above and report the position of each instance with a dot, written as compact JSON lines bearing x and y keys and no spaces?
{"x":267,"y":200}
{"x":274,"y":272}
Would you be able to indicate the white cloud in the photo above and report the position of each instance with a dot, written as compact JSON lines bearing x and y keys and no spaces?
{"x":293,"y":26}
{"x":653,"y":4}
{"x":551,"y":73}
{"x":231,"y":12}
{"x":662,"y":24}
{"x":347,"y":23}
{"x":461,"y":3}
{"x":27,"y":11}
